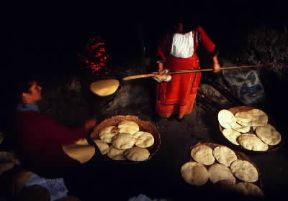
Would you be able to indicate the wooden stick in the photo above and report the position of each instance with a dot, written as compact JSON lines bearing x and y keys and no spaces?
{"x":133,"y":77}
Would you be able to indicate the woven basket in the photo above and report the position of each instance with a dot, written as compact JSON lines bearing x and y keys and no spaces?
{"x":239,"y":155}
{"x":146,"y":126}
{"x":234,"y":110}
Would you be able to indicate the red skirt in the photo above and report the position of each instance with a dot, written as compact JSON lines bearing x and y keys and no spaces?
{"x":178,"y":95}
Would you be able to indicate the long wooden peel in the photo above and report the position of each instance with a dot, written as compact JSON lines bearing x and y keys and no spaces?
{"x":139,"y":76}
{"x":109,"y":86}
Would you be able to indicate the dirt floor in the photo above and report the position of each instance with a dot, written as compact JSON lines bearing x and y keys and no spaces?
{"x":69,"y":101}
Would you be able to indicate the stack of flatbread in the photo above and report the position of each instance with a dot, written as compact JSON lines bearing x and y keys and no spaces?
{"x":123,"y":141}
{"x":248,"y":128}
{"x":213,"y":163}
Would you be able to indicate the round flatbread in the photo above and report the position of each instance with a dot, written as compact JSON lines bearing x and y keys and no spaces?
{"x":104,"y":87}
{"x":116,"y":154}
{"x":259,"y":117}
{"x":268,"y":134}
{"x":103,"y":146}
{"x":231,"y":135}
{"x":130,"y":127}
{"x":106,"y":134}
{"x":194,"y":173}
{"x":241,"y":129}
{"x":82,"y":141}
{"x":226,"y":118}
{"x":252,"y":142}
{"x":137,"y":154}
{"x":248,"y":189}
{"x":244,"y":118}
{"x":123,"y":141}
{"x":244,"y":171}
{"x":224,"y":155}
{"x":203,"y":154}
{"x":144,"y":139}
{"x":81,"y":153}
{"x":219,"y":172}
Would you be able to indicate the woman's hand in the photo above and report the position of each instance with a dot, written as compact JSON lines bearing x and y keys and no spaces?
{"x":216,"y":65}
{"x":89,"y":124}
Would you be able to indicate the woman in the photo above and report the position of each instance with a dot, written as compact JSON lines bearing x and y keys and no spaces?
{"x":177,"y":51}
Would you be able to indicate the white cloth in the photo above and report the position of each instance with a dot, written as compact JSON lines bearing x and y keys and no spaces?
{"x":182,"y":45}
{"x":56,"y":187}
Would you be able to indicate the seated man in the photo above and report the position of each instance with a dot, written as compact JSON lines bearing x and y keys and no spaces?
{"x":39,"y":136}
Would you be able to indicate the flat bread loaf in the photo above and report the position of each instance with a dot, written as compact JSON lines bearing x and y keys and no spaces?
{"x":81,"y":153}
{"x":224,"y":155}
{"x":231,"y":135}
{"x":252,"y":142}
{"x":103,"y":146}
{"x":259,"y":118}
{"x":241,"y":129}
{"x":104,"y":87}
{"x":116,"y":154}
{"x":128,"y":127}
{"x":244,"y":118}
{"x":226,"y":118}
{"x":244,"y":171}
{"x":144,"y":139}
{"x":123,"y":141}
{"x":219,"y":172}
{"x":137,"y":154}
{"x":107,"y":133}
{"x":203,"y":154}
{"x":82,"y":141}
{"x":249,"y":189}
{"x":194,"y":173}
{"x":268,"y":134}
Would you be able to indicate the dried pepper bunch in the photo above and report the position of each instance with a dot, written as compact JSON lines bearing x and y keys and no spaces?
{"x":95,"y":55}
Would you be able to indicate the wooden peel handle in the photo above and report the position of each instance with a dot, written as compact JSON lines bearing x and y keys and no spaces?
{"x":133,"y":77}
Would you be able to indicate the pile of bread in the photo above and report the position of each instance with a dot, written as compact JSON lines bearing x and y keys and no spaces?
{"x":124,"y":141}
{"x":248,"y":128}
{"x":217,"y":164}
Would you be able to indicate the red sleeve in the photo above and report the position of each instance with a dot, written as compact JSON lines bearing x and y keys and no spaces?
{"x":57,"y":132}
{"x":163,"y":50}
{"x":205,"y":40}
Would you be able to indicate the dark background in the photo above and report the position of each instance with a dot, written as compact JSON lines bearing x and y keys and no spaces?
{"x":48,"y":34}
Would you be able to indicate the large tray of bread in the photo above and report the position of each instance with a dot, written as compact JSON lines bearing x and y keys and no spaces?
{"x":249,"y":128}
{"x":217,"y":165}
{"x":126,"y":138}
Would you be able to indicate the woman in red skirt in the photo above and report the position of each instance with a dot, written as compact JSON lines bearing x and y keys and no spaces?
{"x":177,"y":51}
